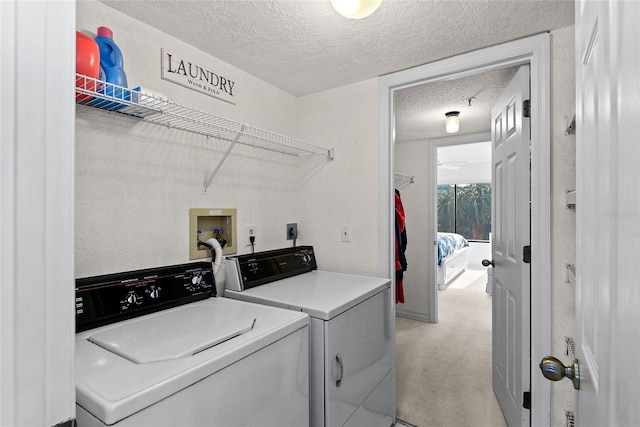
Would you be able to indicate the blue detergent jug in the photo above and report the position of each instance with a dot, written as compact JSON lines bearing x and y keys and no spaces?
{"x":111,"y":69}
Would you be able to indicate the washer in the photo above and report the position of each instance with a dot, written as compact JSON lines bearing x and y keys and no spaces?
{"x":153,"y":348}
{"x":352,"y":335}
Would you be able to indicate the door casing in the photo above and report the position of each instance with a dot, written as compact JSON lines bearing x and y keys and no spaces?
{"x":534,"y":51}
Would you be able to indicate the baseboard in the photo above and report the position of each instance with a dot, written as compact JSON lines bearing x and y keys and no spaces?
{"x":412,"y":316}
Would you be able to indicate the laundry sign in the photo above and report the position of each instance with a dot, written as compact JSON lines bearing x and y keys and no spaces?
{"x":198,"y":77}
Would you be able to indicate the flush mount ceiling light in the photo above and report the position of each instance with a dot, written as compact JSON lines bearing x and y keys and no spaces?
{"x":355,"y":9}
{"x":452,"y":123}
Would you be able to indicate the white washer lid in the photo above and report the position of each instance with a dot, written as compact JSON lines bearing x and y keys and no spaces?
{"x":111,"y":387}
{"x":164,"y":337}
{"x":321,"y":294}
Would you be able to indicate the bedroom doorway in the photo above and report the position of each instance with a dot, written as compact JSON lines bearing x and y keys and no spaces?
{"x":455,"y":165}
{"x":463,"y":209}
{"x":534,"y":51}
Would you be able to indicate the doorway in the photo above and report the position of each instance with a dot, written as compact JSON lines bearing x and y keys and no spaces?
{"x":536,"y":52}
{"x":463,"y":210}
{"x":462,"y":335}
{"x":462,"y":330}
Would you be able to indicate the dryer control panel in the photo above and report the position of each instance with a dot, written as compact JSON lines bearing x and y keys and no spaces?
{"x":110,"y":298}
{"x":248,"y":271}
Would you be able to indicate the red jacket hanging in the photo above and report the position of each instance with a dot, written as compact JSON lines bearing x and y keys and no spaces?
{"x":401,"y":247}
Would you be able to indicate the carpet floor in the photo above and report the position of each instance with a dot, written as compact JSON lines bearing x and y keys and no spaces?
{"x":444,"y":369}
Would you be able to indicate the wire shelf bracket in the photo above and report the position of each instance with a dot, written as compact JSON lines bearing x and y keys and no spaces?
{"x":220,"y":162}
{"x":402,"y":180}
{"x":158,"y":110}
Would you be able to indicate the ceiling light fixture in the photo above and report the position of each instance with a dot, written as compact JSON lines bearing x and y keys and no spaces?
{"x":355,"y":9}
{"x":452,"y":123}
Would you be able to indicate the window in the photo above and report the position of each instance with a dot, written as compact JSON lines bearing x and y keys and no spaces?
{"x":465,"y":209}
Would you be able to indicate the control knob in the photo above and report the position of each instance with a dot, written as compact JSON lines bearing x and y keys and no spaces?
{"x":154,"y":293}
{"x":196,"y":279}
{"x":131,"y":298}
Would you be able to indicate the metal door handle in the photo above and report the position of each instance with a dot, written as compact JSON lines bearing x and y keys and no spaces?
{"x":554,"y":370}
{"x":487,"y":263}
{"x":339,"y":360}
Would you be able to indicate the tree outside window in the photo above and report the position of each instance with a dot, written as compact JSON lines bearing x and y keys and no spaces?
{"x":465,"y":209}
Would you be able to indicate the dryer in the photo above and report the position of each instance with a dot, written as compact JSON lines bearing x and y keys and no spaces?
{"x":154,"y":348}
{"x":352,"y":331}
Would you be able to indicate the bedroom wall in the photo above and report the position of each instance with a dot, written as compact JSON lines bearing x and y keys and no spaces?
{"x":466,"y":174}
{"x":477,"y":252}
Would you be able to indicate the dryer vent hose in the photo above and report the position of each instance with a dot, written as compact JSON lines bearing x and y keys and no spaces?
{"x":218,"y":266}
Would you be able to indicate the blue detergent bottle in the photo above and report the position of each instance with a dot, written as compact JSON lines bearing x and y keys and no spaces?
{"x":111,"y":68}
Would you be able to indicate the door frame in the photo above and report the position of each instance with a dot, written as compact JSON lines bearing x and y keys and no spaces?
{"x":37,"y":275}
{"x":535,"y":51}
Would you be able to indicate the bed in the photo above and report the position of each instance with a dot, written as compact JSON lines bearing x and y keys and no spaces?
{"x":452,"y":257}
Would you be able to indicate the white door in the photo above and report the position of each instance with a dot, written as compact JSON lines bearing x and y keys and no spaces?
{"x":608,"y":212}
{"x":510,"y":135}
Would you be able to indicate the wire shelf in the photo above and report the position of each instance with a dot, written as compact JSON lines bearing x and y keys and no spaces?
{"x":402,"y":181}
{"x":158,"y":110}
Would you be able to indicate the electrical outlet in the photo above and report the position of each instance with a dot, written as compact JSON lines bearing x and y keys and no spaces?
{"x":345,"y":233}
{"x":251,"y":232}
{"x":292,"y":231}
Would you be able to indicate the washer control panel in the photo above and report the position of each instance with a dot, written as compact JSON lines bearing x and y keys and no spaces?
{"x":248,"y":271}
{"x":110,"y":298}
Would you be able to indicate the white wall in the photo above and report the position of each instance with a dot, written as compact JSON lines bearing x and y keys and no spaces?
{"x":412,"y":158}
{"x":137,"y":181}
{"x":563,"y":219}
{"x":344,"y":191}
{"x":476,"y":253}
{"x":466,"y":174}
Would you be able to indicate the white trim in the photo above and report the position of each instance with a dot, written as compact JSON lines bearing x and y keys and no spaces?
{"x":37,"y":121}
{"x":386,"y":209}
{"x":535,"y":51}
{"x":413,"y":316}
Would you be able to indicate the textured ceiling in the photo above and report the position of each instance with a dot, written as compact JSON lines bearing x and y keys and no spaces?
{"x":304,"y":46}
{"x":420,"y":110}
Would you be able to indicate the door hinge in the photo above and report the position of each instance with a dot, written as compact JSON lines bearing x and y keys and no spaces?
{"x":526,"y":400}
{"x":526,"y":254}
{"x":526,"y":108}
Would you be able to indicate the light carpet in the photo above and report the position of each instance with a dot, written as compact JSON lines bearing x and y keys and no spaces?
{"x":444,"y":369}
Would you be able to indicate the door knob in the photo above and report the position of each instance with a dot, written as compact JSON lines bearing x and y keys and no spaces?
{"x":554,"y":370}
{"x":487,"y":263}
